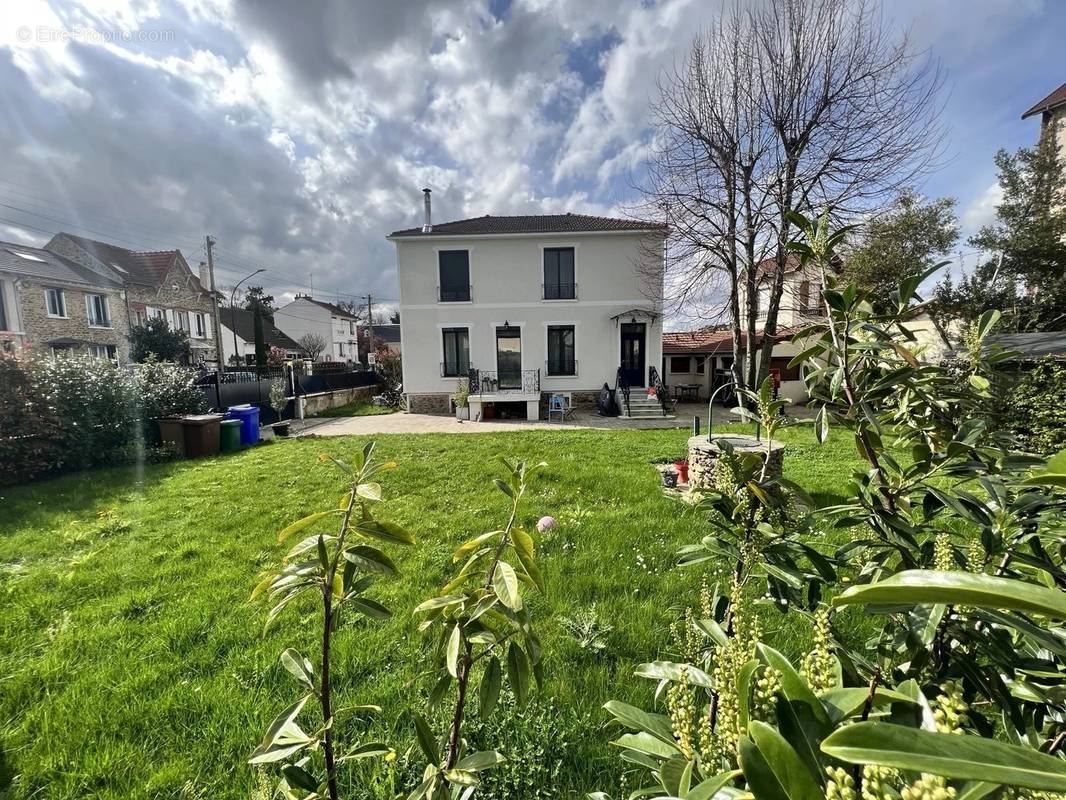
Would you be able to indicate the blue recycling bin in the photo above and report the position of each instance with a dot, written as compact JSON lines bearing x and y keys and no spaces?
{"x":249,"y":417}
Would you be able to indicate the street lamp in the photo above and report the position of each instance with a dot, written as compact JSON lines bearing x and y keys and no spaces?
{"x":232,"y":310}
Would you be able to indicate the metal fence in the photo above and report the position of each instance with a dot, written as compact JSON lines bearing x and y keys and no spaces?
{"x":252,"y":385}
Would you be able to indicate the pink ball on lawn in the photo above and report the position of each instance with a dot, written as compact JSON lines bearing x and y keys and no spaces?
{"x":545,"y":524}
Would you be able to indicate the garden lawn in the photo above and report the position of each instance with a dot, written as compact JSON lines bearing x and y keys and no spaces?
{"x":357,"y":409}
{"x":132,"y":664}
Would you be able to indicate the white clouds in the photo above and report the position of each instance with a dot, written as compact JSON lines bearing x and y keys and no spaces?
{"x":981,"y":210}
{"x":299,"y":134}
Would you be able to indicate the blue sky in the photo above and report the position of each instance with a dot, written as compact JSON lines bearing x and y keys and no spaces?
{"x":300,"y":134}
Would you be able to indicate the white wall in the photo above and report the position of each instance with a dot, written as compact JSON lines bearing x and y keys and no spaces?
{"x":791,"y":312}
{"x":301,"y":317}
{"x":506,"y":273}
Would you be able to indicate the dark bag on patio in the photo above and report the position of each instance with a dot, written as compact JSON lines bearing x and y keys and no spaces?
{"x":606,"y":405}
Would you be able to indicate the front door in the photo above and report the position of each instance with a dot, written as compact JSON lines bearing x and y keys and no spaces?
{"x":632,"y":361}
{"x":509,"y":357}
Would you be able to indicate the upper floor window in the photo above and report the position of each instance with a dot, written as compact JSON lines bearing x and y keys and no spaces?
{"x":181,"y":320}
{"x":97,"y":311}
{"x":561,"y":360}
{"x":200,"y":329}
{"x":454,"y":267}
{"x":810,"y":297}
{"x":559,"y":274}
{"x":57,"y":303}
{"x":156,"y":313}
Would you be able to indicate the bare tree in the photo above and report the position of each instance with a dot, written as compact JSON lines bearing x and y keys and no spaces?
{"x":312,"y":345}
{"x":810,"y":105}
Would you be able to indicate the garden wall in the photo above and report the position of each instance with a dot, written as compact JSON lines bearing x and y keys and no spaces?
{"x":317,"y":403}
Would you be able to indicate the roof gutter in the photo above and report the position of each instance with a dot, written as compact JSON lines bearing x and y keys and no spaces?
{"x":445,"y":237}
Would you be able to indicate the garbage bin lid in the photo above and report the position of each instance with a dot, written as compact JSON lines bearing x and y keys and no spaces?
{"x":242,"y":407}
{"x":231,"y":423}
{"x":202,"y":419}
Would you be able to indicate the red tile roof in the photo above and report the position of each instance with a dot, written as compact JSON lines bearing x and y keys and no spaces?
{"x":712,"y":340}
{"x":1054,"y":100}
{"x":148,"y":267}
{"x":533,"y":223}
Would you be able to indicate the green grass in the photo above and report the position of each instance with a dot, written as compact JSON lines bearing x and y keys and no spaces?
{"x":133,"y":666}
{"x":357,"y":409}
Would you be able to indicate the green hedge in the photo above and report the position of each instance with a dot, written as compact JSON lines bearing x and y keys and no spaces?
{"x":1035,"y":407}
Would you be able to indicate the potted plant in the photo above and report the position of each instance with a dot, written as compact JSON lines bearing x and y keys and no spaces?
{"x":461,"y":399}
{"x":682,"y":470}
{"x":669,"y":479}
{"x":278,"y":401}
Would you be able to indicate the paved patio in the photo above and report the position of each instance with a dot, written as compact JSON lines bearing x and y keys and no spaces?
{"x":428,"y":423}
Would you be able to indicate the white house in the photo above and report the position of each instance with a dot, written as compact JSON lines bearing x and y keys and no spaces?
{"x":337,"y":327}
{"x":238,"y":324}
{"x":528,"y":306}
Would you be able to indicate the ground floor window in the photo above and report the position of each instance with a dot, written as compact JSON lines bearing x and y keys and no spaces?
{"x":456,"y":349}
{"x":102,"y":350}
{"x":561,"y":352}
{"x":701,"y":365}
{"x":679,"y":364}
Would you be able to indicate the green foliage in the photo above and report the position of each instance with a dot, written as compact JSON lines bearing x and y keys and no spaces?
{"x":1025,"y":273}
{"x":163,"y":390}
{"x":479,"y":629}
{"x":155,"y":339}
{"x":96,"y":402}
{"x":962,"y":683}
{"x":338,"y":568}
{"x":29,"y":427}
{"x":907,"y":239}
{"x":1034,"y":409}
{"x":389,"y":369}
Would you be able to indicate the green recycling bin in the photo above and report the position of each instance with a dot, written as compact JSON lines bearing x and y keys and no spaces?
{"x":230,"y":435}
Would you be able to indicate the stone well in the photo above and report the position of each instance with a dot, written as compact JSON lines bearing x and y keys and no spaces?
{"x":703,"y":455}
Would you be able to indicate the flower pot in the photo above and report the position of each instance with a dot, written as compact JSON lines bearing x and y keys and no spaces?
{"x":682,"y":471}
{"x":266,"y":434}
{"x":281,"y":428}
{"x":670,"y":479}
{"x":462,"y":412}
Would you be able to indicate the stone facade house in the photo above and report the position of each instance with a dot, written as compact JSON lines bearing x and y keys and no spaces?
{"x":50,"y":302}
{"x":159,"y":284}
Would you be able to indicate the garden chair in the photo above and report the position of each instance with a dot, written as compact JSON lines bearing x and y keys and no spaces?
{"x":560,"y":404}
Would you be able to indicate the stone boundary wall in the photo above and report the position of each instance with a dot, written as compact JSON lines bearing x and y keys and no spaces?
{"x":316,"y":403}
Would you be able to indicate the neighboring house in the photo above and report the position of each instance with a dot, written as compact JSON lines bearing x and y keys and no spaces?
{"x":49,"y":302}
{"x":704,"y":358}
{"x":386,"y":335}
{"x":158,"y":284}
{"x":241,"y":322}
{"x":533,"y":304}
{"x":1052,"y":111}
{"x":801,"y":293}
{"x":337,"y":327}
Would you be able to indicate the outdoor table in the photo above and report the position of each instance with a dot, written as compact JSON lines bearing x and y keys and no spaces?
{"x":684,"y":391}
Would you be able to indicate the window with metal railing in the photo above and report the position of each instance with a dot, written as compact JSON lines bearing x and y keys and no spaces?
{"x":562,"y":351}
{"x":559,"y":282}
{"x":454,"y":272}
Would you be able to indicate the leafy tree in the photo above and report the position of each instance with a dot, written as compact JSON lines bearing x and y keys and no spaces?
{"x":907,"y":239}
{"x":155,"y":339}
{"x":1025,"y":273}
{"x":257,"y":298}
{"x":955,"y":549}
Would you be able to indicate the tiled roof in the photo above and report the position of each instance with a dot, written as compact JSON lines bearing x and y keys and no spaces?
{"x":148,"y":267}
{"x":389,"y":332}
{"x":768,"y":265}
{"x":330,"y":307}
{"x":242,"y":322}
{"x":712,"y":340}
{"x":1031,"y":345}
{"x":1053,"y":100}
{"x":45,"y":266}
{"x":533,"y":223}
{"x":708,"y":340}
